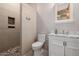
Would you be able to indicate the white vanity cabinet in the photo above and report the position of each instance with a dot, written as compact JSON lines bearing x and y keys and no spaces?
{"x":56,"y":47}
{"x":63,"y":46}
{"x":72,"y":47}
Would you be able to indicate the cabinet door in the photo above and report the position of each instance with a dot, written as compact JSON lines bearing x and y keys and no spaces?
{"x":72,"y":48}
{"x":56,"y":47}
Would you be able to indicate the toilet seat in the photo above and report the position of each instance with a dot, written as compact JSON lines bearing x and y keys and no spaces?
{"x":37,"y":45}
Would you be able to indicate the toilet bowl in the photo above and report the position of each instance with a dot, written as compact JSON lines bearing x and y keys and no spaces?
{"x":37,"y":46}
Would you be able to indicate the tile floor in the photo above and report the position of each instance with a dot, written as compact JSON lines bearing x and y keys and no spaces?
{"x":31,"y":53}
{"x":15,"y":51}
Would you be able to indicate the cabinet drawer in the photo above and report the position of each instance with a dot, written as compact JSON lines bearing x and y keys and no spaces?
{"x":72,"y":42}
{"x":56,"y":42}
{"x":56,"y":38}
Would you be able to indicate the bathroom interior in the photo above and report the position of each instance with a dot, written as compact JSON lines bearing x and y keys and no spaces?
{"x":39,"y":29}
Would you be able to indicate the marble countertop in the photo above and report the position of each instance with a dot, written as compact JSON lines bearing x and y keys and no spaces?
{"x":64,"y":35}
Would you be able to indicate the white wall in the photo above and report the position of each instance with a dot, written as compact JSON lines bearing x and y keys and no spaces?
{"x":28,"y":27}
{"x":9,"y":37}
{"x":46,"y":19}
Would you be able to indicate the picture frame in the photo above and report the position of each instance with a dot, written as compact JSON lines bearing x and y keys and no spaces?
{"x":63,"y":12}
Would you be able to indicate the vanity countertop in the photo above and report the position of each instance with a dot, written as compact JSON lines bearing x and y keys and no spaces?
{"x":73,"y":36}
{"x":64,"y":35}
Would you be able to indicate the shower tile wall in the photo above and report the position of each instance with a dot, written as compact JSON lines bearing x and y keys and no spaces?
{"x":28,"y":27}
{"x":9,"y":37}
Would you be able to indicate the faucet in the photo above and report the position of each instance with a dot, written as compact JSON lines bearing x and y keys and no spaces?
{"x":56,"y":31}
{"x":63,"y":32}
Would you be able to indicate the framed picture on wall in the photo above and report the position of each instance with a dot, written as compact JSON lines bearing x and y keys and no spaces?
{"x":63,"y":12}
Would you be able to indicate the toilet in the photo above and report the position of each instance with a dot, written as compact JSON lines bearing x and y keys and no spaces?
{"x":37,"y":46}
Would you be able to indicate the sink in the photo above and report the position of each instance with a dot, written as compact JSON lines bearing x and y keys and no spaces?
{"x":62,"y":35}
{"x":52,"y":34}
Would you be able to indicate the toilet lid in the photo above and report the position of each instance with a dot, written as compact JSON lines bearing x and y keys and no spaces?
{"x":36,"y":44}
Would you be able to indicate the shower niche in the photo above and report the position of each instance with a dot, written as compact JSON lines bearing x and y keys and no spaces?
{"x":11,"y":22}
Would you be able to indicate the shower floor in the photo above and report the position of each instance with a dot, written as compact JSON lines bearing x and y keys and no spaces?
{"x":16,"y":51}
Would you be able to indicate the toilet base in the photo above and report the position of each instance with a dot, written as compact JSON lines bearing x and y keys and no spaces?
{"x":38,"y":52}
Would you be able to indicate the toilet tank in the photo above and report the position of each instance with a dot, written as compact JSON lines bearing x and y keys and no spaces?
{"x":41,"y":37}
